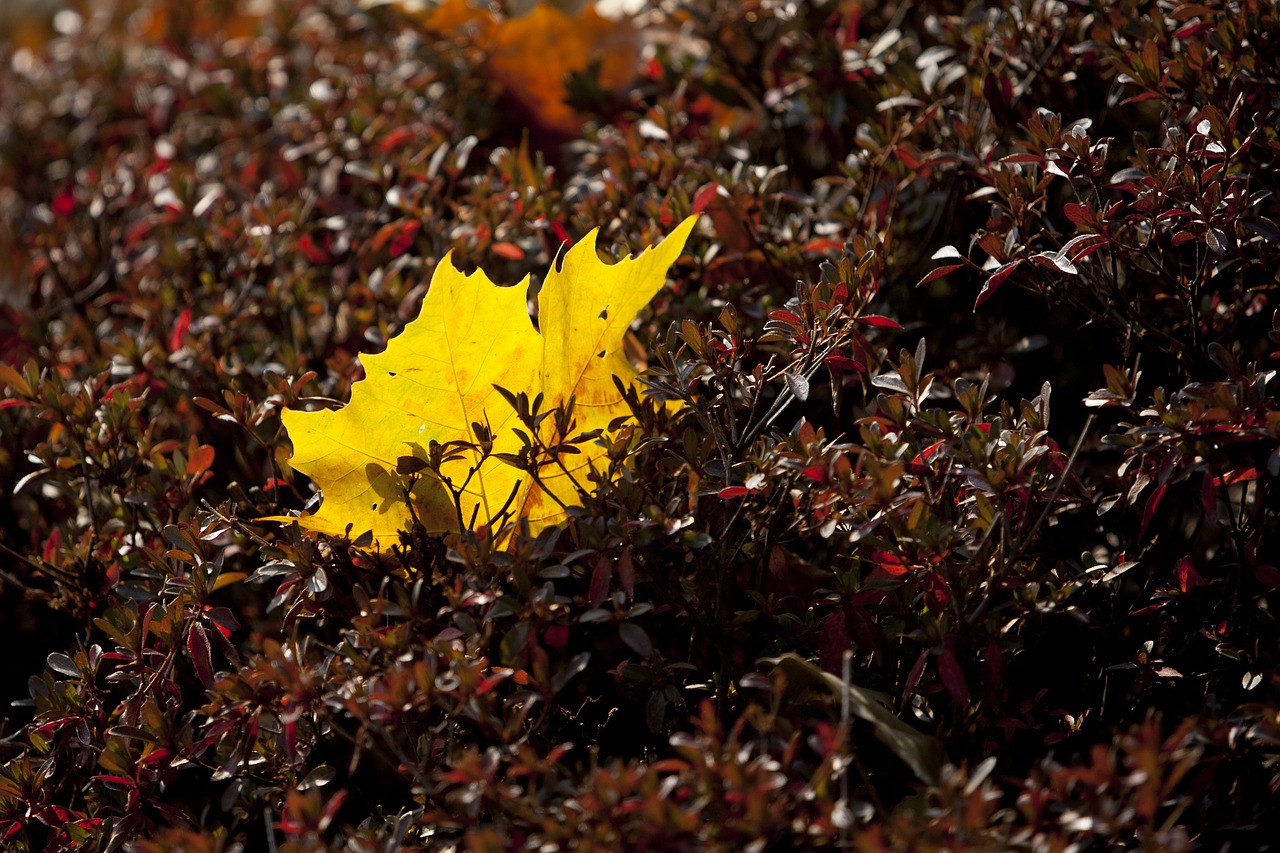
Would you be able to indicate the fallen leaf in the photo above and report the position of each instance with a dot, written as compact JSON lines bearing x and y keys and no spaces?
{"x":535,"y":46}
{"x":439,"y":376}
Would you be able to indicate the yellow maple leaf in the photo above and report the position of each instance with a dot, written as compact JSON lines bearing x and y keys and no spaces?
{"x":521,"y":61}
{"x":439,"y":376}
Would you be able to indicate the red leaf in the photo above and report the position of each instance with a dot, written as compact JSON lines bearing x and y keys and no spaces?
{"x":331,"y":809}
{"x":510,"y":251}
{"x":404,"y":239}
{"x":601,"y":576}
{"x":1150,"y":512}
{"x":200,"y":461}
{"x":156,"y":757}
{"x":201,"y":653}
{"x":927,"y":453}
{"x":396,"y":139}
{"x":879,"y":321}
{"x":1188,"y":577}
{"x":137,"y":233}
{"x":561,"y":234}
{"x":52,"y":545}
{"x":704,"y":196}
{"x":993,"y":284}
{"x":1145,"y":96}
{"x":1239,"y":475}
{"x":934,"y":275}
{"x":1081,"y":215}
{"x":123,"y":781}
{"x":1088,"y":250}
{"x":398,"y":235}
{"x":998,"y":92}
{"x":833,"y":642}
{"x":179,"y":330}
{"x":936,"y":591}
{"x":315,"y":253}
{"x":889,"y":564}
{"x":1194,"y":29}
{"x":1269,"y":575}
{"x":65,"y":202}
{"x":823,"y":244}
{"x":729,"y":492}
{"x":913,"y":677}
{"x":627,"y":574}
{"x":557,"y":636}
{"x":839,"y":362}
{"x":222,"y":620}
{"x":210,"y":406}
{"x":1209,"y":498}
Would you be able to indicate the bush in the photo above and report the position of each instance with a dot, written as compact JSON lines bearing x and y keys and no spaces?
{"x":850,"y":583}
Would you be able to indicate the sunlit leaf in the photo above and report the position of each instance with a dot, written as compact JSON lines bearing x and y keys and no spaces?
{"x":444,"y":373}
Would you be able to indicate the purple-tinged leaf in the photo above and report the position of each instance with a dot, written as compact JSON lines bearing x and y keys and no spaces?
{"x":934,"y":275}
{"x":601,"y":577}
{"x":1150,"y":512}
{"x":993,"y":283}
{"x":952,"y":676}
{"x":201,"y":654}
